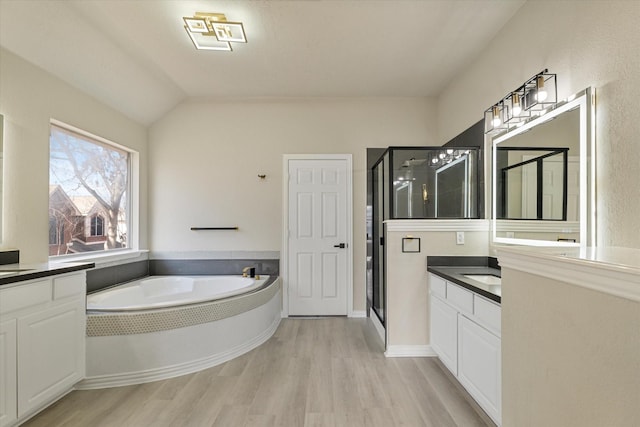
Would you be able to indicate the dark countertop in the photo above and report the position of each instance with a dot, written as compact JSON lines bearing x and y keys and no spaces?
{"x":455,"y":274}
{"x":12,"y":274}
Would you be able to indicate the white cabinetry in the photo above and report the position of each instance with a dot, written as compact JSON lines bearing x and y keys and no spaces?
{"x":479,"y":366}
{"x":42,"y":339}
{"x":8,"y":406}
{"x":444,"y":333}
{"x":465,"y":334}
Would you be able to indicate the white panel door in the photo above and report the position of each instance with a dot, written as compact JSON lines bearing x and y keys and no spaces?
{"x":317,"y":216}
{"x":8,"y":373}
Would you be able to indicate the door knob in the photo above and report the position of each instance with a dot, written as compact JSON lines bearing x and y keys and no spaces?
{"x":340,"y":245}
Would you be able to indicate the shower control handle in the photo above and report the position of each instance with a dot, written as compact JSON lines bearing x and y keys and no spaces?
{"x":340,"y":245}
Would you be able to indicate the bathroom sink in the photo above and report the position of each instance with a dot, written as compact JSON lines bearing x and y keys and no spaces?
{"x":487,"y":279}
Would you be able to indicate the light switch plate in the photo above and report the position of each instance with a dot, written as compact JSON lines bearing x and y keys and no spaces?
{"x":459,"y":237}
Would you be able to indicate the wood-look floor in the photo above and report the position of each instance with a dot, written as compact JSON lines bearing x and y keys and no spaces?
{"x":312,"y":372}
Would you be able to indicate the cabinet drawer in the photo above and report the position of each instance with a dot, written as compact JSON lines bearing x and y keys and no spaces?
{"x":68,"y":286}
{"x":438,"y":286}
{"x":461,"y":298}
{"x":24,"y":296}
{"x":487,"y":313}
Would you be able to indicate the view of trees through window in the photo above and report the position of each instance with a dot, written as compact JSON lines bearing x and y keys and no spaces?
{"x":88,"y":183}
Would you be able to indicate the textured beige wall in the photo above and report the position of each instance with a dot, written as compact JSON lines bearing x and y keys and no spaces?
{"x":30,"y":97}
{"x":205,"y":157}
{"x":570,"y":355}
{"x":587,"y":43}
{"x":407,"y":320}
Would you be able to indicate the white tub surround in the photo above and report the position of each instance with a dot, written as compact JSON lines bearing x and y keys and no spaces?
{"x":570,"y":336}
{"x":141,"y":346}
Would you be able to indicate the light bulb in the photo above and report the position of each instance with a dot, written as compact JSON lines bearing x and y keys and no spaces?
{"x":449,"y":151}
{"x":442,"y":155}
{"x":541,"y":93}
{"x":496,"y":118}
{"x":516,"y":107}
{"x":434,"y":160}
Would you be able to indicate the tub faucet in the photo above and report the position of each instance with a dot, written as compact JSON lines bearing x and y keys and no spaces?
{"x":251,"y":270}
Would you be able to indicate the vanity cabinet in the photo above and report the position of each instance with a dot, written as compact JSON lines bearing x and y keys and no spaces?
{"x":42,"y":343}
{"x":465,"y":334}
{"x":479,"y":365}
{"x":444,"y":333}
{"x":8,"y":352}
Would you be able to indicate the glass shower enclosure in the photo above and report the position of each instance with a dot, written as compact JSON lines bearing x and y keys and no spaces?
{"x":419,"y":183}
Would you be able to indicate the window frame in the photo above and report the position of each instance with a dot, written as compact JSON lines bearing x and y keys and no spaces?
{"x":99,"y":225}
{"x":132,"y":202}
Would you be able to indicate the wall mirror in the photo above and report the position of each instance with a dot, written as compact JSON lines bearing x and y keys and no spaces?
{"x":543,"y":174}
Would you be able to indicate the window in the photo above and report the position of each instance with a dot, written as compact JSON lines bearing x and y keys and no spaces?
{"x":54,"y":231}
{"x":89,"y":193}
{"x":97,"y":226}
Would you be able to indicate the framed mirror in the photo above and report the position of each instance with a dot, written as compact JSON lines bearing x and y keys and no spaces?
{"x":543,"y":173}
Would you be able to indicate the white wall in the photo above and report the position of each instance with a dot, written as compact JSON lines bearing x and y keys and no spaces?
{"x":408,"y":311}
{"x":587,"y":43}
{"x":205,"y":158}
{"x":30,"y":97}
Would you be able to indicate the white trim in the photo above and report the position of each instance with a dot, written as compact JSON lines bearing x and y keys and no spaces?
{"x":534,"y":226}
{"x":377,"y":325}
{"x":358,"y":314}
{"x":437,"y":224}
{"x":103,"y":258}
{"x":617,"y":280}
{"x":410,"y":351}
{"x":130,"y":378}
{"x":285,"y":228}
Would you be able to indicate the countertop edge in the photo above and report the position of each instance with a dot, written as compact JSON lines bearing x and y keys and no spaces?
{"x":42,"y":271}
{"x":437,"y":270}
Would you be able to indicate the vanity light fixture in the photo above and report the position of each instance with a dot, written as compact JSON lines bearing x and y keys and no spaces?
{"x":212,"y":31}
{"x":531,"y":99}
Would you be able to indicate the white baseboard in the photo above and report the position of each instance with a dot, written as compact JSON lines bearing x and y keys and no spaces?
{"x":409,"y":351}
{"x":129,"y":378}
{"x":359,"y":313}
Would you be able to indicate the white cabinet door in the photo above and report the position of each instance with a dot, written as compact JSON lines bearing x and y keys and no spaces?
{"x":444,"y":333}
{"x":51,"y":354}
{"x":8,"y":407}
{"x":479,"y":366}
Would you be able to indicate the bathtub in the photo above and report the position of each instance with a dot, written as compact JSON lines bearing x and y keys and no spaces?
{"x":161,"y":327}
{"x":170,"y":291}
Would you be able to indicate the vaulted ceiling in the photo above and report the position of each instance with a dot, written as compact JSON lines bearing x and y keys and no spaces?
{"x":135,"y":56}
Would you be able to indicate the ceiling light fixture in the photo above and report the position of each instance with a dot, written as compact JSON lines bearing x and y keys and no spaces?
{"x":212,"y":31}
{"x":536,"y":96}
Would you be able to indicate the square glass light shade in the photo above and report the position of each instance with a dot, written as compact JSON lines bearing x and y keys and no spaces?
{"x":207,"y":41}
{"x":229,"y":31}
{"x":515,"y":111}
{"x":540,"y":92}
{"x":196,"y":25}
{"x":495,"y":118}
